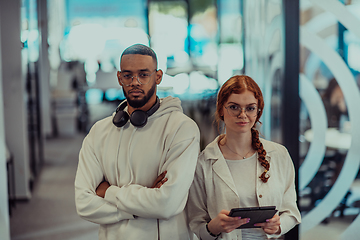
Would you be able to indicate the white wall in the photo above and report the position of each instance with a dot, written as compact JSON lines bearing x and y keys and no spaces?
{"x":4,"y":207}
{"x":14,"y":95}
{"x":44,"y":69}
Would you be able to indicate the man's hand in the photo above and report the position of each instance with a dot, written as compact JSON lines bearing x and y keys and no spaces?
{"x":271,"y":226}
{"x":104,"y":185}
{"x":101,"y":189}
{"x":160,"y":180}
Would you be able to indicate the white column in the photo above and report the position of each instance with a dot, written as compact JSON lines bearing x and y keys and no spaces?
{"x":4,"y":206}
{"x":14,"y":95}
{"x":44,"y":69}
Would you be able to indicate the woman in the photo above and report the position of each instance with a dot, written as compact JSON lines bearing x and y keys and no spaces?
{"x":238,"y":169}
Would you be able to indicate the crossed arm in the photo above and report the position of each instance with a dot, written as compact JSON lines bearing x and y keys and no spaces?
{"x":104,"y":185}
{"x":106,"y":204}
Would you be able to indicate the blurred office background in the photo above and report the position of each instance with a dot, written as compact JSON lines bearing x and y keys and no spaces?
{"x":58,"y":63}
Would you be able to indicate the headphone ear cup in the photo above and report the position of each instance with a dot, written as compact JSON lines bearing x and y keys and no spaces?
{"x":138,"y":118}
{"x":120,"y":118}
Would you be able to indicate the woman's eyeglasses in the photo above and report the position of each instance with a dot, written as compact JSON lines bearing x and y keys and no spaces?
{"x":235,"y":110}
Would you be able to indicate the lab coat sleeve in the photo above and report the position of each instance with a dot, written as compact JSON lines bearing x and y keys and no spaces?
{"x":289,"y":212}
{"x":88,"y":176}
{"x":196,"y":208}
{"x":171,"y":198}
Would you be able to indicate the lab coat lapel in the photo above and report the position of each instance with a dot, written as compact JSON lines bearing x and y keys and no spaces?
{"x":222,"y":170}
{"x":219,"y":165}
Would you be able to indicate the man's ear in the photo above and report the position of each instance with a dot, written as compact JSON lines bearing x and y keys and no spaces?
{"x":159,"y":75}
{"x":118,"y":76}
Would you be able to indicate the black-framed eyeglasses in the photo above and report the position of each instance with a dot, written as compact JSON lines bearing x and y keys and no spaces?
{"x":235,"y":110}
{"x":143,"y":78}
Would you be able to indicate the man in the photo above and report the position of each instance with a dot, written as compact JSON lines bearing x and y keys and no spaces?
{"x":133,"y":176}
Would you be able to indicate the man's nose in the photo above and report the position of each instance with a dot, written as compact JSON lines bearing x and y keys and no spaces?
{"x":135,"y":80}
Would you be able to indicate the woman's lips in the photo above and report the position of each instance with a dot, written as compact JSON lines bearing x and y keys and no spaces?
{"x":241,"y":123}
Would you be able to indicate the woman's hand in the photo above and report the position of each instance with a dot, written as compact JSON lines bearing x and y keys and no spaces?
{"x":271,"y":226}
{"x":223,"y":223}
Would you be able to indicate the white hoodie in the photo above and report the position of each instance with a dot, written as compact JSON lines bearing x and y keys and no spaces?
{"x":130,"y":159}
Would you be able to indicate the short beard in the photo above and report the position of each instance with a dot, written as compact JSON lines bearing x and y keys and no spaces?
{"x":138,"y":103}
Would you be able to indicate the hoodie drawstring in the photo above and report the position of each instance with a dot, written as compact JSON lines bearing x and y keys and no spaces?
{"x":129,"y":157}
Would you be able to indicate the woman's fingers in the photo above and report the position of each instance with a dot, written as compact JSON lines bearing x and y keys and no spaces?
{"x":271,"y":226}
{"x":231,"y":226}
{"x":231,"y":223}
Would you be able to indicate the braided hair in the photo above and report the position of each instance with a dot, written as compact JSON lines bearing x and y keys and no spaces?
{"x":258,"y":146}
{"x":239,"y":84}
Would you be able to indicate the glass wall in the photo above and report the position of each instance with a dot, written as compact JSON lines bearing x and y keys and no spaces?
{"x":329,"y":185}
{"x":264,"y":59}
{"x":271,"y":47}
{"x":329,"y":134}
{"x":230,"y":53}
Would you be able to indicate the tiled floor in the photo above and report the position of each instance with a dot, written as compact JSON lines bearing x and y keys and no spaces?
{"x":51,"y":213}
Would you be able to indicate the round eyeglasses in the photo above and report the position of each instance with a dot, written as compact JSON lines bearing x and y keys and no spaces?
{"x":143,"y":78}
{"x":235,"y":110}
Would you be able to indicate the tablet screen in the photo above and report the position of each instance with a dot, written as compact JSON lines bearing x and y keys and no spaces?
{"x":256,"y":215}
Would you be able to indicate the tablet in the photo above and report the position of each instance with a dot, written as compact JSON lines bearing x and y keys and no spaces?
{"x":256,"y":215}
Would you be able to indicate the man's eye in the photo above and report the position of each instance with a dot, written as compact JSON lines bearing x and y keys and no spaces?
{"x":127,"y":76}
{"x":143,"y":75}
